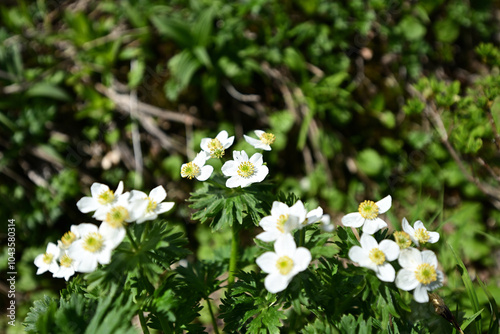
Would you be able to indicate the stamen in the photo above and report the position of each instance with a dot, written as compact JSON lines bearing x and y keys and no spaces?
{"x":267,"y":138}
{"x":377,"y":256}
{"x":151,"y":205}
{"x":422,"y":235}
{"x":93,"y":242}
{"x":68,"y":238}
{"x":280,"y":224}
{"x":246,"y":169}
{"x":425,"y":273}
{"x":106,"y":197}
{"x":216,"y":148}
{"x":190,"y":170}
{"x":65,"y":261}
{"x":284,"y":265}
{"x":368,"y":210}
{"x":47,"y":258}
{"x":116,"y":216}
{"x":402,"y":239}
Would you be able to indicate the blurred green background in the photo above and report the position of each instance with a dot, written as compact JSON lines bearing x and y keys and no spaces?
{"x":366,"y":98}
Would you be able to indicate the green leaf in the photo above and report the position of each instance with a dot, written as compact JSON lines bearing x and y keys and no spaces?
{"x":411,"y":28}
{"x":370,"y":162}
{"x":48,"y":90}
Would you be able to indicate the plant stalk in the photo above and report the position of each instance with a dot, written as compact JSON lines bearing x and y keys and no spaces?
{"x":233,"y":260}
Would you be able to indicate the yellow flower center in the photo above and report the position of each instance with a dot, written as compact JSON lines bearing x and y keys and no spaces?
{"x":65,"y":261}
{"x":93,"y":242}
{"x":68,"y":238}
{"x":216,"y":149}
{"x":190,"y":170}
{"x":47,"y":258}
{"x":106,"y":197}
{"x":151,"y":205}
{"x":422,"y":235}
{"x":267,"y":138}
{"x":246,"y":169}
{"x":402,"y":239}
{"x":368,"y":210}
{"x":284,"y":265}
{"x":116,"y":216}
{"x":377,"y":256}
{"x":425,"y":273}
{"x":280,"y":224}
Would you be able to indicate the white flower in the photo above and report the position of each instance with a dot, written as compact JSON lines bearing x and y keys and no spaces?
{"x":197,"y":168}
{"x":283,"y":264}
{"x":419,"y":272}
{"x":154,"y":203}
{"x":264,"y":142}
{"x":326,"y":224}
{"x":68,"y":238}
{"x":283,"y":220}
{"x":115,"y":217}
{"x":102,"y":197}
{"x":48,"y":261}
{"x":312,"y":217}
{"x":243,"y":171}
{"x":216,"y":147}
{"x":92,"y":248}
{"x":375,"y":256}
{"x":419,"y":234}
{"x":367,"y":215}
{"x":67,"y":266}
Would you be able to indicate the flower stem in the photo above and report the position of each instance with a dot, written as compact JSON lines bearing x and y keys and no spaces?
{"x":302,"y":237}
{"x":214,"y":321}
{"x":233,"y":260}
{"x":145,"y":329}
{"x":132,"y":241}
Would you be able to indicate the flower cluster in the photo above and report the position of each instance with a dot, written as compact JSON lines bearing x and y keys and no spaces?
{"x":287,"y":260}
{"x":242,"y":171}
{"x":419,"y":269}
{"x":86,"y":245}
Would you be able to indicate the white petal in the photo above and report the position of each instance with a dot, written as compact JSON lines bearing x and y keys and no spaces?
{"x":384,"y":204}
{"x":233,"y":182}
{"x":112,"y":235}
{"x":230,"y":168}
{"x":301,"y":259}
{"x":390,"y":249}
{"x":257,"y":159}
{"x":314,"y":215}
{"x":418,"y":224}
{"x":430,"y":258}
{"x":119,"y":189}
{"x":386,"y":272}
{"x":137,"y":195}
{"x":368,"y":242}
{"x":243,"y":156}
{"x":357,"y":254}
{"x":409,"y":258}
{"x":275,"y":282}
{"x":259,"y":133}
{"x":267,"y":262}
{"x":222,"y":136}
{"x":87,"y":264}
{"x":407,"y":228}
{"x":260,"y":175}
{"x":136,"y":209}
{"x":85,"y":228}
{"x":87,"y":204}
{"x":268,"y":236}
{"x":204,"y":144}
{"x":268,"y":222}
{"x":433,"y":237}
{"x":298,"y":210}
{"x":205,"y":173}
{"x":373,"y":225}
{"x":285,"y":245}
{"x":252,"y":141}
{"x":97,"y":188}
{"x":200,"y":159}
{"x":406,"y":280}
{"x":164,"y":207}
{"x":353,"y":220}
{"x":228,"y":142}
{"x":279,"y":209}
{"x":158,"y":194}
{"x":420,"y":294}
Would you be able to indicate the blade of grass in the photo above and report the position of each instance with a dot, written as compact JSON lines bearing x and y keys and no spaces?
{"x":495,"y":314}
{"x":470,"y":290}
